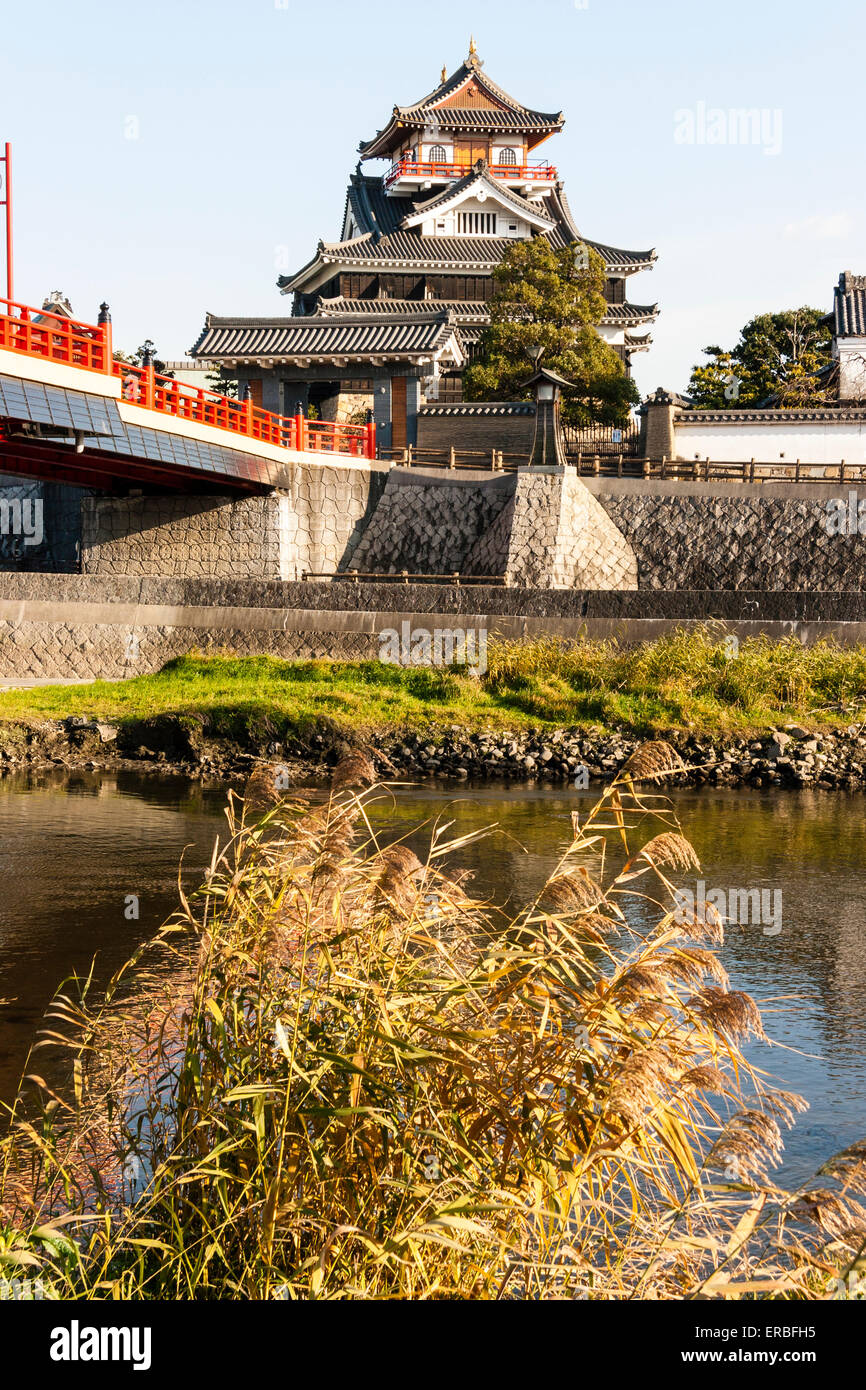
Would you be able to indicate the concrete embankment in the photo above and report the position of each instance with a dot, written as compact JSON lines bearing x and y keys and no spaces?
{"x":88,"y":627}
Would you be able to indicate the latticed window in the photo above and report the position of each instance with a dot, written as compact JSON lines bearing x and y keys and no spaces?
{"x":507,"y":157}
{"x":438,"y":154}
{"x":477,"y":223}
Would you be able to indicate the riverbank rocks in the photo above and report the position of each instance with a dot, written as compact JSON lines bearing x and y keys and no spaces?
{"x":789,"y":756}
{"x":782,"y":757}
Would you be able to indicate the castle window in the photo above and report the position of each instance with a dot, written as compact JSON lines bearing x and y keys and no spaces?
{"x":507,"y":157}
{"x":476,"y":223}
{"x":438,"y":154}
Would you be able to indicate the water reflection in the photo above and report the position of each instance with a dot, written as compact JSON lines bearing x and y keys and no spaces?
{"x":810,"y":979}
{"x":74,"y":848}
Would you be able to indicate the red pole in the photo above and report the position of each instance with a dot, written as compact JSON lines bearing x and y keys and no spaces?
{"x":7,"y":159}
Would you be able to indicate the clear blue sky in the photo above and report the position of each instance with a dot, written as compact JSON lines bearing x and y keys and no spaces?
{"x":249,"y":113}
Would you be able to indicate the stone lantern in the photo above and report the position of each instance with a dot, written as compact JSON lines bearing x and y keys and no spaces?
{"x":547,"y":449}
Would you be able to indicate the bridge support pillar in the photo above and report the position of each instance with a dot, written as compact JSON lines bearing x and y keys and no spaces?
{"x":312,"y":523}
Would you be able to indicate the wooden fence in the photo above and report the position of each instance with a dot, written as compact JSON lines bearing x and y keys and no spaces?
{"x":405,"y":577}
{"x":624,"y":466}
{"x":487,"y":460}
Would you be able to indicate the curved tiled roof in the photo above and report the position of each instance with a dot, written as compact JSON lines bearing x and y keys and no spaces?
{"x":630,"y":313}
{"x":410,"y":248}
{"x":462,"y":310}
{"x":479,"y":408}
{"x":472,"y":68}
{"x":384,"y":242}
{"x":471,"y":316}
{"x":484,"y":118}
{"x":374,"y":210}
{"x":508,"y":114}
{"x":849,"y":306}
{"x":340,"y":335}
{"x":615,"y":257}
{"x":406,"y":248}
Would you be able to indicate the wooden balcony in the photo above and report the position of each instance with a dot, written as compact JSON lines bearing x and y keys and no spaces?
{"x":420,"y":171}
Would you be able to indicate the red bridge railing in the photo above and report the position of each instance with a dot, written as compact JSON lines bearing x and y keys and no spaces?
{"x":53,"y":338}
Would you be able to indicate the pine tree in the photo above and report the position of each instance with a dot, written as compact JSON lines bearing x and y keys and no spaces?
{"x":551,"y":299}
{"x":220,"y":385}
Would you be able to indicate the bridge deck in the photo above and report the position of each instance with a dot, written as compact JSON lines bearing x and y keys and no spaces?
{"x":71,"y":412}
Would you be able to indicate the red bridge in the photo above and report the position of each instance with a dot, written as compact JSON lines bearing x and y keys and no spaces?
{"x":71,"y":412}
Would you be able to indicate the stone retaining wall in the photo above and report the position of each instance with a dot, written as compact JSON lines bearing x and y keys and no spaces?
{"x":716,"y":536}
{"x":543,"y":529}
{"x":186,"y":536}
{"x":562,"y":538}
{"x":539,"y":528}
{"x":430,"y":524}
{"x":80,"y":627}
{"x":327,"y":600}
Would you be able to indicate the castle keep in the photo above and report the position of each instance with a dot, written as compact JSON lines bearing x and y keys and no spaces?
{"x":387,"y":317}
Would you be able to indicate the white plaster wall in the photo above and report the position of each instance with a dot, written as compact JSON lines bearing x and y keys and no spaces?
{"x":431,"y":143}
{"x":852,"y":368}
{"x":448,"y":224}
{"x":818,"y":442}
{"x":496,"y":153}
{"x":612,"y":333}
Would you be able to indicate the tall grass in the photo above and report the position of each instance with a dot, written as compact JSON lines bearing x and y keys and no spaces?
{"x":334,"y":1074}
{"x":693,"y":678}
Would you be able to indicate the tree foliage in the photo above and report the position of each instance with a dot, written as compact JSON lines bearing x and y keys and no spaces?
{"x":222,"y":385}
{"x":136,"y":359}
{"x":778,"y":355}
{"x":553,"y":299}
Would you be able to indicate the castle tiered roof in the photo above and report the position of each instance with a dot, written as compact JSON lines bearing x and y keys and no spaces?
{"x":466,"y":101}
{"x":387,"y":234}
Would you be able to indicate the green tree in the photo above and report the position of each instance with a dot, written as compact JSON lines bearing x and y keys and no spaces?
{"x":783,"y":355}
{"x":136,"y":359}
{"x":552,"y":299}
{"x":221,"y":385}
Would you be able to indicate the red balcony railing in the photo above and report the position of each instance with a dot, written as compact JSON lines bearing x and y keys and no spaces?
{"x":523,"y":173}
{"x":88,"y":346}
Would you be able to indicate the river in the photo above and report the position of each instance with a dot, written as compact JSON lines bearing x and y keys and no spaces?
{"x":88,"y":870}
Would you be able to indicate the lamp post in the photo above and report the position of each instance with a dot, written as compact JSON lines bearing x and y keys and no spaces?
{"x":149,"y":379}
{"x":547,"y":450}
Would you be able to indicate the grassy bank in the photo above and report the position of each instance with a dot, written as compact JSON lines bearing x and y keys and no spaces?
{"x":684,"y":680}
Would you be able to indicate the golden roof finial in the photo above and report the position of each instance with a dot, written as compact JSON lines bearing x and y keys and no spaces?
{"x":473,"y":51}
{"x":444,"y":73}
